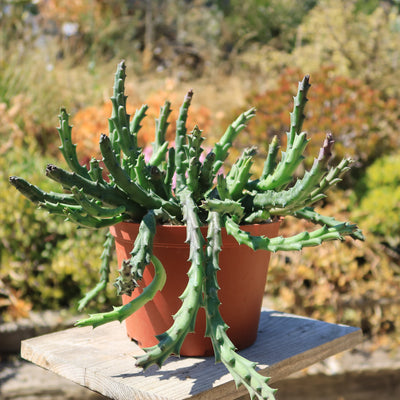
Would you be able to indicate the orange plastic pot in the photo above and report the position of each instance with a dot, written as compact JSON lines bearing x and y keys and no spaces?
{"x":242,"y":280}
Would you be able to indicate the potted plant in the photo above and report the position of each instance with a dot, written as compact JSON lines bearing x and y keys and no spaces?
{"x":179,"y":195}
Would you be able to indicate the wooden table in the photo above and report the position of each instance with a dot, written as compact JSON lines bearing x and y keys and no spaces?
{"x":102,"y":360}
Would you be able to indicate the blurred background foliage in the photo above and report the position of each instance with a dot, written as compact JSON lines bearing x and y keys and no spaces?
{"x":234,"y":55}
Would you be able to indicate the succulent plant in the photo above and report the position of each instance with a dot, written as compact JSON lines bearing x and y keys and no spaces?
{"x":178,"y":185}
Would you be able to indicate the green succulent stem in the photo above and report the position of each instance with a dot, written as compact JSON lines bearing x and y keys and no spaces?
{"x":160,"y":145}
{"x":206,"y":176}
{"x":141,"y":174}
{"x":283,"y":173}
{"x":309,"y":214}
{"x":180,"y":142}
{"x":332,"y":177}
{"x":239,"y":175}
{"x":286,"y":201}
{"x":169,"y":175}
{"x":157,"y":180}
{"x":145,"y":198}
{"x":225,"y":143}
{"x":222,"y":188}
{"x":297,"y":115}
{"x":131,"y":270}
{"x":296,"y":242}
{"x":87,"y":221}
{"x":226,"y":206}
{"x":104,"y":272}
{"x":93,"y":208}
{"x":171,"y":341}
{"x":134,"y":125}
{"x":106,"y":193}
{"x":258,"y":216}
{"x":296,"y":144}
{"x":121,"y":134}
{"x":37,"y":195}
{"x":96,"y":172}
{"x":270,"y":161}
{"x":194,"y":166}
{"x":242,"y":370}
{"x":158,"y":156}
{"x":123,"y":312}
{"x":67,"y":148}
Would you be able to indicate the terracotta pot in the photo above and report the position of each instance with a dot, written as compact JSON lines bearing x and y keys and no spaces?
{"x":242,"y":280}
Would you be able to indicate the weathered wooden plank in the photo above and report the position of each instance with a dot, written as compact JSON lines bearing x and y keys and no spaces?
{"x":103,"y":359}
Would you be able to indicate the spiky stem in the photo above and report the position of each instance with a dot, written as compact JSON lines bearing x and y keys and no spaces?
{"x":104,"y":192}
{"x":93,"y":208}
{"x":87,"y":221}
{"x":258,"y":216}
{"x":222,"y":147}
{"x":145,"y":198}
{"x":123,"y":312}
{"x":180,"y":142}
{"x":297,"y":115}
{"x":206,"y":173}
{"x":169,"y":176}
{"x":160,"y":146}
{"x":140,"y":173}
{"x":309,"y":214}
{"x":158,"y":157}
{"x":296,"y":242}
{"x":120,"y":118}
{"x":96,"y":172}
{"x":243,"y":371}
{"x":156,"y":177}
{"x":137,"y":119}
{"x":67,"y":148}
{"x":283,"y":173}
{"x":105,"y":258}
{"x":194,"y":152}
{"x":270,"y":162}
{"x":333,"y":177}
{"x":37,"y":195}
{"x":131,"y":270}
{"x":284,"y":202}
{"x":226,"y":206}
{"x":239,"y":174}
{"x":171,"y":341}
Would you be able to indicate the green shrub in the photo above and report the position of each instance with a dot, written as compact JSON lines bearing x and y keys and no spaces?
{"x":359,"y":40}
{"x":262,"y":21}
{"x":47,"y":262}
{"x":379,"y":209}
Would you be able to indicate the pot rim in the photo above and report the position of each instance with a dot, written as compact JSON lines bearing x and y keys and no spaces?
{"x":175,"y":235}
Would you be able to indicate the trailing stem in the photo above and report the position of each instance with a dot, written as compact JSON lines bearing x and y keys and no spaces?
{"x":243,"y":371}
{"x":104,"y":272}
{"x":123,"y":312}
{"x":171,"y":341}
{"x":296,"y":242}
{"x":131,"y":270}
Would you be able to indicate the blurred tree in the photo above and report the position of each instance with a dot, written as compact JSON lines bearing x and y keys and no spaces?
{"x":261,"y":21}
{"x":364,"y":44}
{"x":379,"y":208}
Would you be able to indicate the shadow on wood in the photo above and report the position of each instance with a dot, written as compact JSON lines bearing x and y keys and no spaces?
{"x":103,"y":359}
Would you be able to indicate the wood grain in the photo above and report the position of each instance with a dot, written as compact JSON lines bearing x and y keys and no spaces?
{"x":102,"y":359}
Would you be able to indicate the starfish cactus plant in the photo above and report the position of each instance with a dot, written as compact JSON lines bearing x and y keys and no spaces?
{"x":145,"y":191}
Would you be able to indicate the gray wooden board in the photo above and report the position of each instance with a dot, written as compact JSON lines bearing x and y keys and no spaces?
{"x":102,"y":359}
